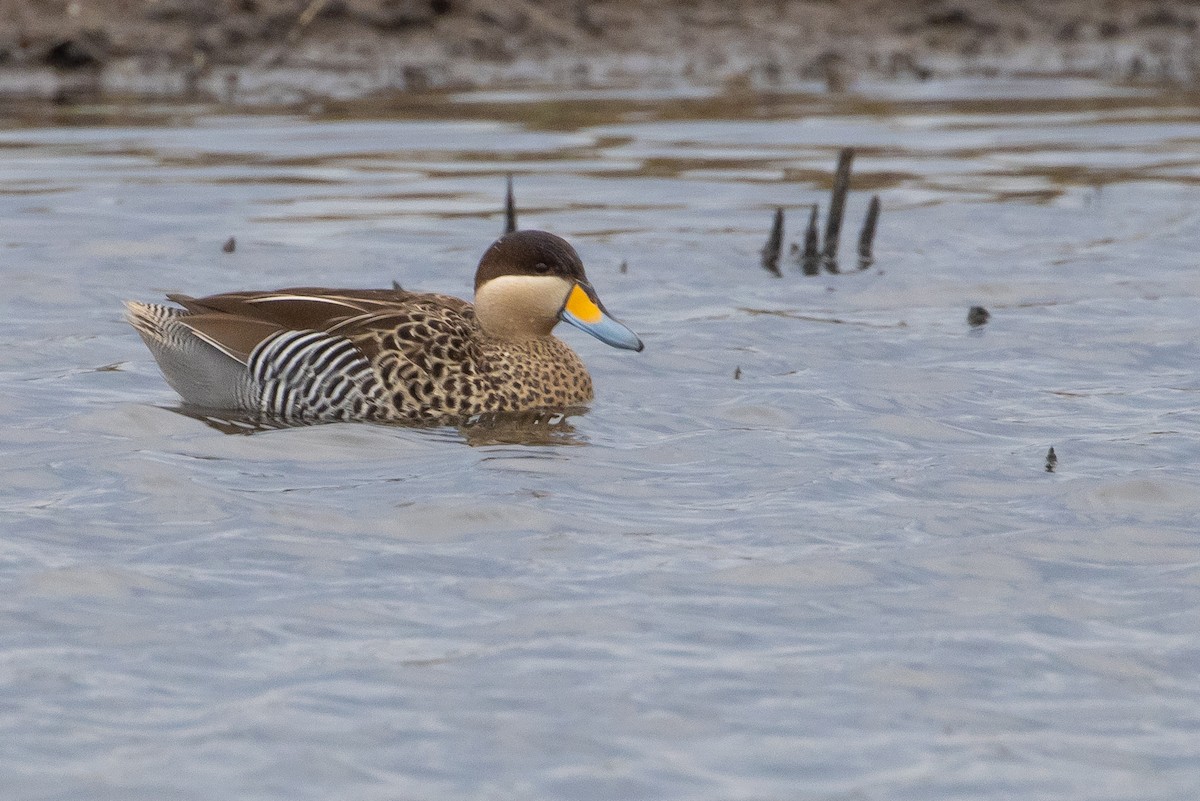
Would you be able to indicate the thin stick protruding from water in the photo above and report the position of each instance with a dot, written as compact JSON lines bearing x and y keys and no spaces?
{"x":810,"y":261}
{"x":866,"y":239}
{"x":837,"y":207}
{"x":510,"y":208}
{"x":774,"y":247}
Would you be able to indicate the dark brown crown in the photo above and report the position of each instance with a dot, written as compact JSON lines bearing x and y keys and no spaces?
{"x":529,"y":253}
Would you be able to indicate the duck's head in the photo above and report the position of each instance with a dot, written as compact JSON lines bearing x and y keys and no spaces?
{"x":529,"y":280}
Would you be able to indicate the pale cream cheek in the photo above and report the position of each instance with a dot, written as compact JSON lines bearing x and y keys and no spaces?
{"x":521,"y":306}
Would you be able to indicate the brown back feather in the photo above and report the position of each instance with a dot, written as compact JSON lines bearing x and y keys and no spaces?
{"x":236,"y":336}
{"x":300,"y":308}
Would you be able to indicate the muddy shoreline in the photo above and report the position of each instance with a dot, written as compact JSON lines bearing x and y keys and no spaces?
{"x":278,"y":51}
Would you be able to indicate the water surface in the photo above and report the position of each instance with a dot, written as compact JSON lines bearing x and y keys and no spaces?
{"x":844,"y":574}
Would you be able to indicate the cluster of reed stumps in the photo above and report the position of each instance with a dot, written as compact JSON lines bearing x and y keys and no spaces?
{"x":817,"y":253}
{"x":821,"y":253}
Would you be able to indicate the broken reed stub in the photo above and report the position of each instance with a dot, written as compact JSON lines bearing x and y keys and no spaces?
{"x":1051,"y":460}
{"x":774,"y":247}
{"x":810,"y":259}
{"x":977,"y":316}
{"x":837,"y":208}
{"x":866,"y":238}
{"x":230,"y":245}
{"x":510,"y":208}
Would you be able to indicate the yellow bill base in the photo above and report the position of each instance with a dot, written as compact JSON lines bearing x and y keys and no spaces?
{"x":581,"y":306}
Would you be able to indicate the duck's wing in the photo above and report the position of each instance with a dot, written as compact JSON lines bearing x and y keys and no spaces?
{"x":237,"y":322}
{"x":299,"y":308}
{"x":235,"y":336}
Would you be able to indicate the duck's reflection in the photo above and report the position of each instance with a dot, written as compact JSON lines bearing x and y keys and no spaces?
{"x":523,"y":428}
{"x":499,"y":428}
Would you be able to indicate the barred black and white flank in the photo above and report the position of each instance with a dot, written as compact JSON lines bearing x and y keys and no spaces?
{"x":309,"y":354}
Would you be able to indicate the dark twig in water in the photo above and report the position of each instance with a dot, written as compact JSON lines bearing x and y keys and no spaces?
{"x":810,"y":260}
{"x":837,"y":206}
{"x":1051,"y":460}
{"x":230,"y":245}
{"x":977,"y":316}
{"x":774,"y":247}
{"x":737,"y":374}
{"x":866,"y":239}
{"x":510,"y":208}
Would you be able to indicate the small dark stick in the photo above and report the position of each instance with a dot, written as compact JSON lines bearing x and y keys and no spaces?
{"x":510,"y":208}
{"x":977,"y":316}
{"x":737,"y":373}
{"x":837,"y":206}
{"x":230,"y":245}
{"x":866,"y":239}
{"x":811,"y":260}
{"x":774,"y":247}
{"x":1051,"y":460}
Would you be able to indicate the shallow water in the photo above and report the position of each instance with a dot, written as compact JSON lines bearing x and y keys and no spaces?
{"x":846,"y":574}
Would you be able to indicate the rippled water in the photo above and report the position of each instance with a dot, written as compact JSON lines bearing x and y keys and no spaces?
{"x":844,"y":574}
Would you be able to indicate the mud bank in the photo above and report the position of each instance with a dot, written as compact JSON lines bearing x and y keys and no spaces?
{"x":269,"y":51}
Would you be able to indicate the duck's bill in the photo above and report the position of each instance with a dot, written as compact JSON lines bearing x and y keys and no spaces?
{"x":583,"y":310}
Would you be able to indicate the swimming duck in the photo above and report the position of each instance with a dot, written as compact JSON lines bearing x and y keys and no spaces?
{"x":309,"y":354}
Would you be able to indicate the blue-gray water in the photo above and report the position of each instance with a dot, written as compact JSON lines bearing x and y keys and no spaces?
{"x":846,"y":574}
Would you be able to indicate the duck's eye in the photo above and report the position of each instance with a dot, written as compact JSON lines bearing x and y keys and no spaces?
{"x":541,"y":268}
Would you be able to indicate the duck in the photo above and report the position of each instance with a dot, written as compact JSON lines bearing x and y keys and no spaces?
{"x":308,"y":354}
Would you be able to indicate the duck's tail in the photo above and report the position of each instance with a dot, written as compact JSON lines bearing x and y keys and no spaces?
{"x":202,"y":374}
